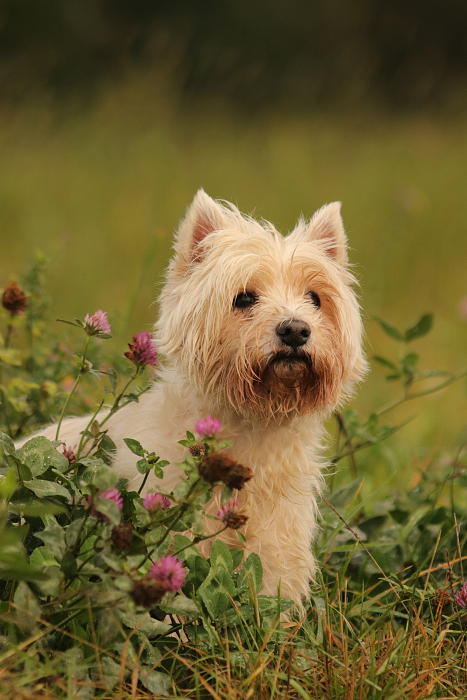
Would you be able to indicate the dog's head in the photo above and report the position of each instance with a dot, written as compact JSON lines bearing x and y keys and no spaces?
{"x":267,"y":324}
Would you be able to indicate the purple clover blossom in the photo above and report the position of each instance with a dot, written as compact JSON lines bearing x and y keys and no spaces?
{"x":227,"y":508}
{"x":156,"y":501}
{"x":208,"y":427}
{"x":69,"y":453}
{"x":97,"y":324}
{"x":112,"y":495}
{"x":169,"y":571}
{"x":230,"y":516}
{"x":142,"y":350}
{"x":461,"y":596}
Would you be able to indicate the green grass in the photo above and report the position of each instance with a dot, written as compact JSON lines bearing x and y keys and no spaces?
{"x":101,"y":191}
{"x":381,"y":623}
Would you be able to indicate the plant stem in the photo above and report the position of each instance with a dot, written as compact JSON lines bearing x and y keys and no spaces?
{"x":200,"y":538}
{"x":9,"y":329}
{"x":184,"y":506}
{"x":116,"y":406}
{"x":80,"y":372}
{"x":418,"y":394}
{"x":143,"y":484}
{"x":83,"y":442}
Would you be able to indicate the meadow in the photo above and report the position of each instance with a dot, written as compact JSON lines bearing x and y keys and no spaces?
{"x":99,"y":190}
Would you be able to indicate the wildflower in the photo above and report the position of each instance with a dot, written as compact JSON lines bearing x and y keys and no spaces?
{"x":97,"y":324}
{"x":111,"y":495}
{"x":156,"y":501}
{"x":197,"y":450}
{"x":230,"y":516}
{"x":147,"y":592}
{"x":69,"y":453}
{"x":142,"y":350}
{"x":122,"y":536}
{"x":169,"y":571}
{"x":208,"y":427}
{"x":221,"y":467}
{"x":14,"y":299}
{"x":461,"y":596}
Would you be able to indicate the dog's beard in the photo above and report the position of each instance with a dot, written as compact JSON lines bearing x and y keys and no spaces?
{"x":283,"y":384}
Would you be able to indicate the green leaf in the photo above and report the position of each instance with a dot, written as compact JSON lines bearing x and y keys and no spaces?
{"x":143,"y":466}
{"x":409,"y":363}
{"x":343,"y":496}
{"x":221,"y":559}
{"x":252,"y":570}
{"x":39,"y":454}
{"x":11,"y":356}
{"x":14,"y":565}
{"x":108,"y":508}
{"x":42,"y":557}
{"x":134,"y":446}
{"x":181,"y":541}
{"x":156,"y":682}
{"x":143,"y":622}
{"x":420,"y":328}
{"x":78,"y":324}
{"x":390,"y":330}
{"x":384,"y":361}
{"x":198,"y":571}
{"x":158,"y":471}
{"x":8,"y":484}
{"x":42,"y":488}
{"x":216,"y":596}
{"x":69,"y":565}
{"x":181,"y":605}
{"x":53,"y":536}
{"x":110,"y":671}
{"x":7,"y":446}
{"x":72,"y":531}
{"x":237,"y":555}
{"x":113,"y":378}
{"x":26,"y":600}
{"x":35,"y":509}
{"x":107,"y":450}
{"x":268,"y":604}
{"x":100,"y":475}
{"x":24,"y":472}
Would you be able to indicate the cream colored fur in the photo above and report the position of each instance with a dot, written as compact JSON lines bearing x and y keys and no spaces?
{"x":223,"y":361}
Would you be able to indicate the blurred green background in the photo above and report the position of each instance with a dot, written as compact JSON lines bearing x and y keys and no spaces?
{"x":113,"y":113}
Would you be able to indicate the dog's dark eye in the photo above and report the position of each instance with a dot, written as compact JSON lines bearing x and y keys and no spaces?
{"x":315,"y":299}
{"x":244,"y":300}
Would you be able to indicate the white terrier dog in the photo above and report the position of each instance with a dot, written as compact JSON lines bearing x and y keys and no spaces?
{"x":264,"y":333}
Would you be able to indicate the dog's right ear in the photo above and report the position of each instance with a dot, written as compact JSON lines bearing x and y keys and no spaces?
{"x":204,"y":215}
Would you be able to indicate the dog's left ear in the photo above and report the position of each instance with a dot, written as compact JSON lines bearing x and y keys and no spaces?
{"x":204,"y":215}
{"x":327,"y":228}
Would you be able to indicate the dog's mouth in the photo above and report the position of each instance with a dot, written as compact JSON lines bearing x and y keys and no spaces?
{"x":290,"y":367}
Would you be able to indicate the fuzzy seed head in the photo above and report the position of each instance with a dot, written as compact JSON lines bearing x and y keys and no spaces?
{"x":220,"y":467}
{"x":14,"y":299}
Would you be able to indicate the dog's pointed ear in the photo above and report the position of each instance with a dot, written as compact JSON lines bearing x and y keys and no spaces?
{"x":327,"y":228}
{"x":204,"y":215}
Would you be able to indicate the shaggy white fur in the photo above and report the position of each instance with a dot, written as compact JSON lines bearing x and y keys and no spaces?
{"x":232,"y":290}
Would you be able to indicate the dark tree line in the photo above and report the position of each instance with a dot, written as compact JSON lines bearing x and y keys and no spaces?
{"x":257,"y":53}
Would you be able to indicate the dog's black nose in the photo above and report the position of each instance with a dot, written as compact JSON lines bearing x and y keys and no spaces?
{"x":293,"y":333}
